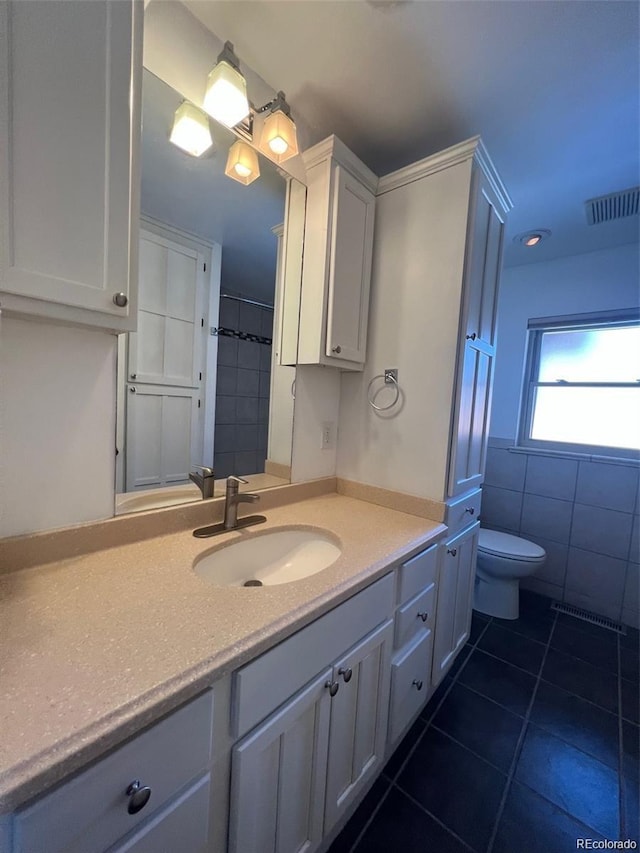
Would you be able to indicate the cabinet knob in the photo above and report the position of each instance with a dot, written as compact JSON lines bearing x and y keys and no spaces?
{"x":333,"y":686}
{"x":121,"y":300}
{"x":452,"y":551}
{"x":134,"y":375}
{"x":139,"y":795}
{"x":418,"y":683}
{"x":132,"y":389}
{"x":470,"y":510}
{"x":424,"y":616}
{"x":472,"y":336}
{"x":346,"y":673}
{"x":337,"y":349}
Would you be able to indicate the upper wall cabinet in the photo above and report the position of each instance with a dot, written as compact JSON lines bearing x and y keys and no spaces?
{"x":70,"y":77}
{"x":336,"y":271}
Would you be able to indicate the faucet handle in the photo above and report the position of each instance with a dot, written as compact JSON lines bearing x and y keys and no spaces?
{"x":206,"y":471}
{"x":233,"y":479}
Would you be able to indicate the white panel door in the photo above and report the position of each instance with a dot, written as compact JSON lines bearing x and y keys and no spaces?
{"x":278,"y":777}
{"x":159,"y":435}
{"x":70,"y":75}
{"x":359,"y":714}
{"x":349,"y":269}
{"x":455,"y":598}
{"x":165,"y":349}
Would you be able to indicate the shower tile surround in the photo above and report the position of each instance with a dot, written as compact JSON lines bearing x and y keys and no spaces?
{"x":583,"y":513}
{"x":242,"y":391}
{"x":523,"y":747}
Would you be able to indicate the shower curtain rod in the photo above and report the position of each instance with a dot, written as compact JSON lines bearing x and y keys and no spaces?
{"x":246,"y":301}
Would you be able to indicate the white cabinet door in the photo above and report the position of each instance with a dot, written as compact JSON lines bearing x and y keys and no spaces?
{"x":477,"y":349}
{"x":455,"y":598}
{"x":70,"y":79}
{"x":359,"y":712}
{"x":161,"y":432}
{"x":349,"y":268}
{"x":278,"y":777}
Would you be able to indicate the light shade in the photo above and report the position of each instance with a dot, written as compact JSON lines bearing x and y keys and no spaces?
{"x":226,"y":95}
{"x":242,"y":163}
{"x":190,"y":130}
{"x":279,"y":140}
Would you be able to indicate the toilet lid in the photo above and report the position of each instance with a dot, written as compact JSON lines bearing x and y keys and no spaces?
{"x":508,"y":546}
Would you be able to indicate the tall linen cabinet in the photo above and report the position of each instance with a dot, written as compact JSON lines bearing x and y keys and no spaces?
{"x":436,"y":267}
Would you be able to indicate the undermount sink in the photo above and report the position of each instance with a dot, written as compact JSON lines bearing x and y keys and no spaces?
{"x":266,"y":559}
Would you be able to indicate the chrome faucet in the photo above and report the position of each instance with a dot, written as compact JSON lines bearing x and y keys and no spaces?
{"x":204,"y":481}
{"x":232,"y":498}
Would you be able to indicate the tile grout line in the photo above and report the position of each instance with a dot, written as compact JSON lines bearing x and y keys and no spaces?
{"x":433,"y":817}
{"x":622,"y":810}
{"x":353,"y":848}
{"x":518,"y":750}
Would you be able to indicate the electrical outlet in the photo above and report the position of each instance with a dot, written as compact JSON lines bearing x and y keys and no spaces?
{"x":328,"y":435}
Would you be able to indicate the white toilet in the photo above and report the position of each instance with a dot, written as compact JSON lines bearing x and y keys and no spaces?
{"x":502,"y":560}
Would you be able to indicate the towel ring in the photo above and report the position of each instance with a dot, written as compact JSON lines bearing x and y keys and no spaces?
{"x":389,"y":379}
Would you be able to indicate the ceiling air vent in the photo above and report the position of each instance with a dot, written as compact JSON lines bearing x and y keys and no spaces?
{"x":606,"y":208}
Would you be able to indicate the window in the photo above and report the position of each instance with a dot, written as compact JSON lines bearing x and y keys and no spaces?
{"x":582,"y":385}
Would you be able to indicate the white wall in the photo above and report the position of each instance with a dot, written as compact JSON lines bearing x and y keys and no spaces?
{"x":57,"y":425}
{"x":596,"y":281}
{"x":416,"y":283}
{"x":317,"y":402}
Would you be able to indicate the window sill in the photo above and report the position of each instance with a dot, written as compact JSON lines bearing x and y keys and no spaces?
{"x":629,"y":461}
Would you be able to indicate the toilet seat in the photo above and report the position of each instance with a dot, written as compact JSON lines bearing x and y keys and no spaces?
{"x":509,"y":547}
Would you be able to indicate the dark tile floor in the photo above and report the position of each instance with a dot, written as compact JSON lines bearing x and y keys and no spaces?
{"x":530,"y":743}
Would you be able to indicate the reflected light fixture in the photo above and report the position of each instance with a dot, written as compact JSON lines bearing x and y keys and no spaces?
{"x":191,"y":130}
{"x":279,"y":140}
{"x":242,"y":163}
{"x":226,"y":94}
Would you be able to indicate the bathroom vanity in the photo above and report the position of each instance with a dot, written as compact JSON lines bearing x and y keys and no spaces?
{"x":129,"y":671}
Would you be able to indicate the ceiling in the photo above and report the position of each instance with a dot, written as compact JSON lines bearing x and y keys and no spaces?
{"x":193,"y":194}
{"x":552,"y":87}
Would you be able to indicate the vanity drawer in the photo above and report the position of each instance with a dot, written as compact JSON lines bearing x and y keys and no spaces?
{"x":409,"y":684}
{"x":90,"y":812}
{"x":415,"y":616}
{"x":182,"y":825}
{"x":264,"y":684}
{"x":462,"y":512}
{"x":417,"y":573}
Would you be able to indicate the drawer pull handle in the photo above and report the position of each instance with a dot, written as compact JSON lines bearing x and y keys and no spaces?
{"x":333,"y":686}
{"x":139,"y":795}
{"x":470,"y":510}
{"x":346,"y":673}
{"x":472,"y":336}
{"x":452,"y":551}
{"x":418,"y":683}
{"x":424,"y":616}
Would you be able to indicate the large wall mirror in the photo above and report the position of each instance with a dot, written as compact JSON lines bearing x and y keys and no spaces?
{"x":198,"y":383}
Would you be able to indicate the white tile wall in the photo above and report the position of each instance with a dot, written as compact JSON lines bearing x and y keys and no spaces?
{"x":583,"y":513}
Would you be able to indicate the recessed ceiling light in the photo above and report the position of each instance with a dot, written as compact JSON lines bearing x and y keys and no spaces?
{"x":533,"y":237}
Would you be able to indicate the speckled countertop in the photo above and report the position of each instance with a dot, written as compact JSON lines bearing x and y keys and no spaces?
{"x":94,"y":647}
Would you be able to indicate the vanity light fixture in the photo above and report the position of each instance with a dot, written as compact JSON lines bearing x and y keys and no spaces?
{"x":279,"y":140}
{"x":242,"y":163}
{"x":191,"y":130}
{"x":532,"y":238}
{"x":226,"y":93}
